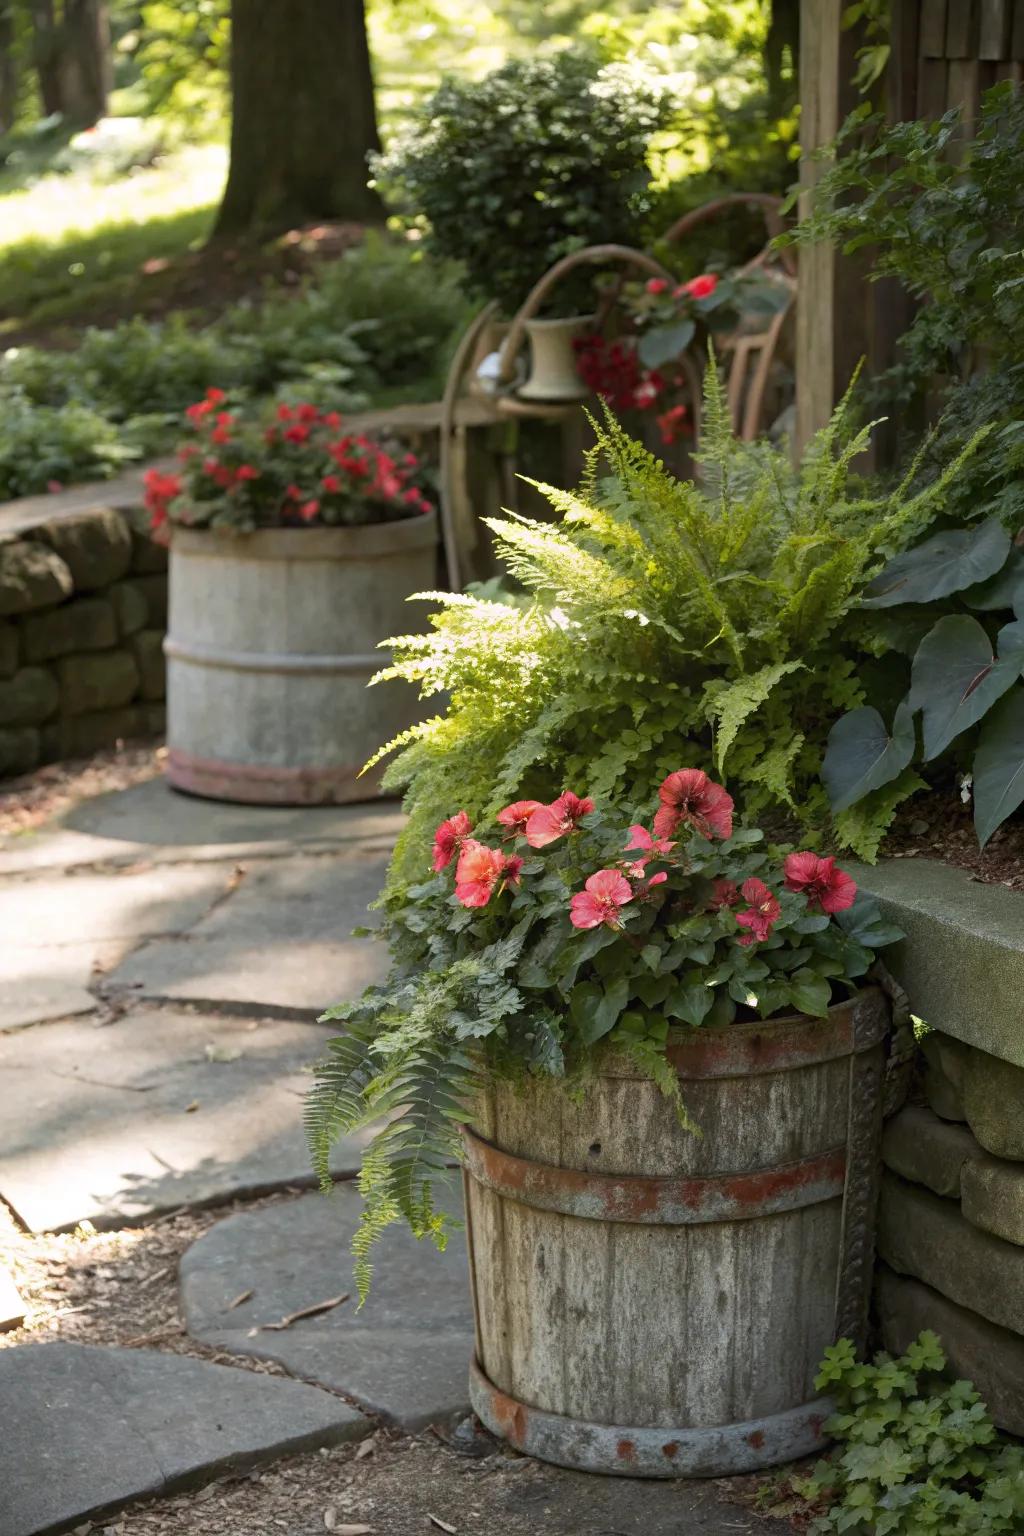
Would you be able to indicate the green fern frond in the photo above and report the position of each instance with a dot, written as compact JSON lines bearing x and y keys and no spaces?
{"x":732,"y":704}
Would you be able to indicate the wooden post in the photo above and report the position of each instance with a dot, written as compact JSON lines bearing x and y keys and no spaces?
{"x":832,"y":331}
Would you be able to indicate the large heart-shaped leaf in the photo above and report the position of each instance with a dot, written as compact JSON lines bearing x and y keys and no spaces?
{"x":999,"y":765}
{"x":957,"y":677}
{"x":665,"y":342}
{"x":862,"y":755}
{"x":1003,"y":590}
{"x":948,"y":562}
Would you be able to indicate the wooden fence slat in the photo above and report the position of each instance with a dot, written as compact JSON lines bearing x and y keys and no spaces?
{"x":1009,"y":69}
{"x":961,"y":22}
{"x":963,"y":90}
{"x":994,"y":29}
{"x":932,"y":88}
{"x":1017,"y":31}
{"x":933,"y":29}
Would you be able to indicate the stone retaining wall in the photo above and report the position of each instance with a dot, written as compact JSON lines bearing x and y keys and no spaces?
{"x":83,"y":609}
{"x":951,"y":1219}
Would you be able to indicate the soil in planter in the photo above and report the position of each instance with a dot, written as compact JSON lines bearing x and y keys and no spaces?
{"x":939,"y":826}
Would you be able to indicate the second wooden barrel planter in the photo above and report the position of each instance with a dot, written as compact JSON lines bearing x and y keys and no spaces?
{"x":269,"y":649}
{"x":656,"y":1304}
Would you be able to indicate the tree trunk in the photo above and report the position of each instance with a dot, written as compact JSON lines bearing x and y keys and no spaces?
{"x":8,"y":67}
{"x":85,"y":62}
{"x":46,"y":55}
{"x":303,"y":116}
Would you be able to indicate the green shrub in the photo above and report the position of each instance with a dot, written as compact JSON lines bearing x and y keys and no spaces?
{"x":46,"y":447}
{"x":670,"y":620}
{"x":917,"y":1454}
{"x":543,"y":156}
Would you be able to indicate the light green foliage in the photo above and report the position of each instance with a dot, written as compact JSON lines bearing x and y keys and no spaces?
{"x":670,"y":623}
{"x":917,"y":1455}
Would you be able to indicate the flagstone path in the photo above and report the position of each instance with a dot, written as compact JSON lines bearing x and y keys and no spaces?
{"x":162,"y":964}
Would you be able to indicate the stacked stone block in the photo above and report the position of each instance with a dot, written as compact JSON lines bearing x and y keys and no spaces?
{"x":951,"y":1221}
{"x":83,"y":609}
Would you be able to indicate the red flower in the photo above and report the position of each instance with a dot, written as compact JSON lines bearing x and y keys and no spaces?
{"x":285,"y":413}
{"x":639,"y":837}
{"x":332,"y":420}
{"x":701,"y":287}
{"x":220,"y":435}
{"x":309,"y":510}
{"x":760,"y":916}
{"x":689,"y":796}
{"x":828,"y":889}
{"x":600,"y":900}
{"x":553,"y":821}
{"x":513,"y":864}
{"x":478,"y":871}
{"x":308,"y":413}
{"x":160,"y":487}
{"x":331,"y":483}
{"x":296,"y":434}
{"x":671,"y":424}
{"x":215,"y":396}
{"x":724,"y":893}
{"x":448,"y":838}
{"x":197,"y":412}
{"x":656,"y":285}
{"x":516,"y":815}
{"x":247,"y":472}
{"x":647,"y":392}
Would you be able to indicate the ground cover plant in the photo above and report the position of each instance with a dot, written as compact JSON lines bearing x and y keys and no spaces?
{"x":550,"y":929}
{"x":917,"y":1453}
{"x":707,"y":618}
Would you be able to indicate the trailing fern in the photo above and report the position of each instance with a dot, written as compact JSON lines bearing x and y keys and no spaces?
{"x":666,"y":621}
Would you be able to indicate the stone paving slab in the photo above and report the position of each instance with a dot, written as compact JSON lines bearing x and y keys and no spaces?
{"x":57,"y":927}
{"x":283,"y":940}
{"x":151,"y":820}
{"x":160,"y":1109}
{"x":405,"y":1355}
{"x":87,"y":1429}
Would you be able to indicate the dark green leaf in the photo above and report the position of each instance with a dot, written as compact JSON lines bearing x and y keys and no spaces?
{"x":605,"y":1015}
{"x":947,"y":562}
{"x":811,"y":993}
{"x":1003,"y":590}
{"x":999,"y":765}
{"x":861,"y":754}
{"x":864,"y":923}
{"x":689,"y":1002}
{"x":956,"y":677}
{"x":665,"y":343}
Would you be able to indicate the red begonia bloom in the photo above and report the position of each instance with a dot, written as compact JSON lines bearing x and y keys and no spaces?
{"x":724,"y":893}
{"x":672,"y":424}
{"x":331,"y":483}
{"x":553,"y":821}
{"x":701,"y":287}
{"x":215,"y":396}
{"x":657,"y":285}
{"x":296,"y":434}
{"x":762,"y":913}
{"x":516,"y":815}
{"x":826,"y":888}
{"x":247,"y":472}
{"x":448,"y":838}
{"x":513,"y":866}
{"x":308,"y":413}
{"x":689,"y":797}
{"x":285,"y":413}
{"x":477,"y":873}
{"x":309,"y":510}
{"x":600,"y":900}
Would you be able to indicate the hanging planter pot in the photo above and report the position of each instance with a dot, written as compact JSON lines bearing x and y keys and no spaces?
{"x":554,"y":376}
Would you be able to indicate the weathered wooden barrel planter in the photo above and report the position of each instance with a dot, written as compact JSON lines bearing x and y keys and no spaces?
{"x":269,"y":649}
{"x":654,"y":1303}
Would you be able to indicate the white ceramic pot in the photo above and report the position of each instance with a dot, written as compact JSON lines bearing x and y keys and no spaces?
{"x":553,"y":372}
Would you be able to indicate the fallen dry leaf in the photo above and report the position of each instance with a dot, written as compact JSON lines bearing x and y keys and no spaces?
{"x":313,"y":1311}
{"x":442,"y":1525}
{"x":365,"y":1448}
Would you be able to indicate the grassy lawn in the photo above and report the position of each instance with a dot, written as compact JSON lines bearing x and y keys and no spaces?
{"x":74,"y":248}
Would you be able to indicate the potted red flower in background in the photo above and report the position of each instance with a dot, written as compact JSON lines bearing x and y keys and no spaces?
{"x":653,"y":1051}
{"x":294,"y":544}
